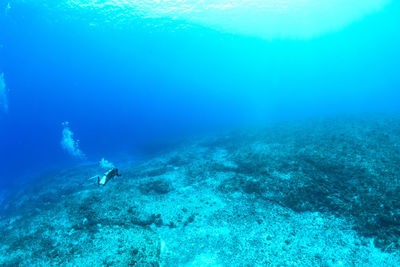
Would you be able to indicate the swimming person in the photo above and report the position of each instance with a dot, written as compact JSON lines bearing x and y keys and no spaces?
{"x":110,"y":174}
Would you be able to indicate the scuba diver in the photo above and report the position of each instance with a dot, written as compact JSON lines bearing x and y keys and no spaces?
{"x":110,"y":174}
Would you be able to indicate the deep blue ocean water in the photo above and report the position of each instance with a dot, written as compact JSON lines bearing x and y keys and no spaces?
{"x":130,"y":87}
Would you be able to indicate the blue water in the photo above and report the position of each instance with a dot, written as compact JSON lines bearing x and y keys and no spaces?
{"x":129,"y":88}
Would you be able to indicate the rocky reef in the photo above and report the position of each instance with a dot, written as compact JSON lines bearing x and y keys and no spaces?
{"x":311,"y":193}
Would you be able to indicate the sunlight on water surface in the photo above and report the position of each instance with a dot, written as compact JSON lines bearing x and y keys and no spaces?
{"x":262,"y":18}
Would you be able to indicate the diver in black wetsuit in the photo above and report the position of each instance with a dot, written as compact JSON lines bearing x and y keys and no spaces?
{"x":110,"y":174}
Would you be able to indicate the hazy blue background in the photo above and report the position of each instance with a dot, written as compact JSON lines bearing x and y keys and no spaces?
{"x":130,"y":90}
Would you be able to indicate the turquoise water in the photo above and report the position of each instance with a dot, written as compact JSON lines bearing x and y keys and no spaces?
{"x":126,"y":81}
{"x":125,"y":74}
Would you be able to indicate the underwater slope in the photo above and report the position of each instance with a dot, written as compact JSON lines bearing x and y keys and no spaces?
{"x":313,"y":193}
